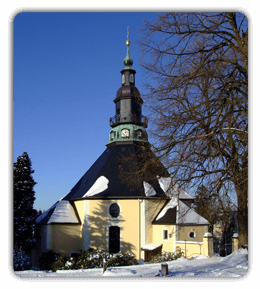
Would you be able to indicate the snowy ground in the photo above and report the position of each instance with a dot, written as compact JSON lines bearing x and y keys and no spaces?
{"x":234,"y":265}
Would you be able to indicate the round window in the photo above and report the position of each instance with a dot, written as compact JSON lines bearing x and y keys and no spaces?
{"x":192,"y":235}
{"x":114,"y":210}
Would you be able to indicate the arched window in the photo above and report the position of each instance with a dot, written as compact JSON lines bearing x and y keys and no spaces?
{"x":112,"y":135}
{"x":123,"y":79}
{"x":139,"y":133}
{"x":114,"y":210}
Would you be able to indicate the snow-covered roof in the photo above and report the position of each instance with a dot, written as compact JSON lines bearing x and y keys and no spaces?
{"x":60,"y":212}
{"x":148,"y":190}
{"x":186,"y":215}
{"x":151,"y":247}
{"x":172,"y":189}
{"x":100,"y":185}
{"x":176,"y":212}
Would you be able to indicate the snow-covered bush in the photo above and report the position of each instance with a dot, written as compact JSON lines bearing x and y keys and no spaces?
{"x":94,"y":259}
{"x":22,"y":261}
{"x":87,"y":259}
{"x":53,"y":261}
{"x":165,"y":256}
{"x":61,"y":263}
{"x":120,"y":259}
{"x":90,"y":259}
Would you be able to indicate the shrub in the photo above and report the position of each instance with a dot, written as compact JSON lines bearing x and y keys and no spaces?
{"x":60,"y":263}
{"x":94,"y":259}
{"x":91,"y":259}
{"x":47,"y":259}
{"x":120,"y":259}
{"x":165,"y":256}
{"x":22,"y":261}
{"x":87,"y":259}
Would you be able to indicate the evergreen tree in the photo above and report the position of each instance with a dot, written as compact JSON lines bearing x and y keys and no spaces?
{"x":24,"y":214}
{"x":206,"y":205}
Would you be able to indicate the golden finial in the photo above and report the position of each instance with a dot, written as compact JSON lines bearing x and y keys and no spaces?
{"x":127,"y":41}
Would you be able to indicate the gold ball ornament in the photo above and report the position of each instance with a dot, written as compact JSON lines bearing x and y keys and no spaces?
{"x":127,"y":42}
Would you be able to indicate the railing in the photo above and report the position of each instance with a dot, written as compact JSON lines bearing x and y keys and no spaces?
{"x":143,"y":120}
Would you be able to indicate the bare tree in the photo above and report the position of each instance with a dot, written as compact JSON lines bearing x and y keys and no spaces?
{"x":198,"y":96}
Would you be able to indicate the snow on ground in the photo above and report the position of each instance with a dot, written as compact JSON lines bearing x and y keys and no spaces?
{"x":234,"y":265}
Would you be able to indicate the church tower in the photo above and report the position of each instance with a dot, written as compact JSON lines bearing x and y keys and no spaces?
{"x":128,"y":124}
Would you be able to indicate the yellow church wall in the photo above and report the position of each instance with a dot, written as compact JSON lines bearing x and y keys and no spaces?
{"x":135,"y":222}
{"x":100,"y":220}
{"x":168,"y":245}
{"x":65,"y":238}
{"x":208,"y":246}
{"x":97,"y":220}
{"x":150,"y":234}
{"x":192,"y":247}
{"x":130,"y":226}
{"x":79,"y":208}
{"x":43,"y":237}
{"x":199,"y":230}
{"x":154,"y":207}
{"x":189,"y":248}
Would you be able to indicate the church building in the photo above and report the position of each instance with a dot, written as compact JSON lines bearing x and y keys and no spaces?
{"x":108,"y":210}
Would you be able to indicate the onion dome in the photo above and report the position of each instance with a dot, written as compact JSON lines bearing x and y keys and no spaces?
{"x":128,"y":91}
{"x":128,"y":61}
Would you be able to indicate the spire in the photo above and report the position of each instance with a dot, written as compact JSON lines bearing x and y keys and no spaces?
{"x":128,"y":61}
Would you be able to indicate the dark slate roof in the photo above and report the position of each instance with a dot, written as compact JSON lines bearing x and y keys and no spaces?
{"x":107,"y":167}
{"x":168,"y":219}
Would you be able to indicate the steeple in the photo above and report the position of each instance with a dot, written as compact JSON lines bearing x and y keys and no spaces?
{"x":128,"y":124}
{"x":128,"y":61}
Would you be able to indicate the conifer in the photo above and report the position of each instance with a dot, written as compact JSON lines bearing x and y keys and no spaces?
{"x":24,"y":196}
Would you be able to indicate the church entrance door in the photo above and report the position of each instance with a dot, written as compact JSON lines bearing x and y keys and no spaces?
{"x":114,"y":239}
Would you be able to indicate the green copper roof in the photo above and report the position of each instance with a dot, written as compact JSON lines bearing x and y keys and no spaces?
{"x":132,"y":128}
{"x":128,"y":61}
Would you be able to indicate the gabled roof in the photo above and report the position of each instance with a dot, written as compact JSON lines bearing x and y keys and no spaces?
{"x":104,"y":180}
{"x":61,"y":212}
{"x":176,"y":212}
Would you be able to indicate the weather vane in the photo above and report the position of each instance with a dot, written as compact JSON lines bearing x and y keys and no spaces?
{"x":127,"y":41}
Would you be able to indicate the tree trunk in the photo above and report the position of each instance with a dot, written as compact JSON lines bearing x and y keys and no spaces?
{"x":242,"y":215}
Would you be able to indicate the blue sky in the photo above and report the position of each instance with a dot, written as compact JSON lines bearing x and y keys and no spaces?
{"x":66,"y":72}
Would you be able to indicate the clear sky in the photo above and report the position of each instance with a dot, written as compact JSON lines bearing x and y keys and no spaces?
{"x":66,"y":72}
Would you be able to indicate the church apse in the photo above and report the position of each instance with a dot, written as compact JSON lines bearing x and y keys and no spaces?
{"x":102,"y":221}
